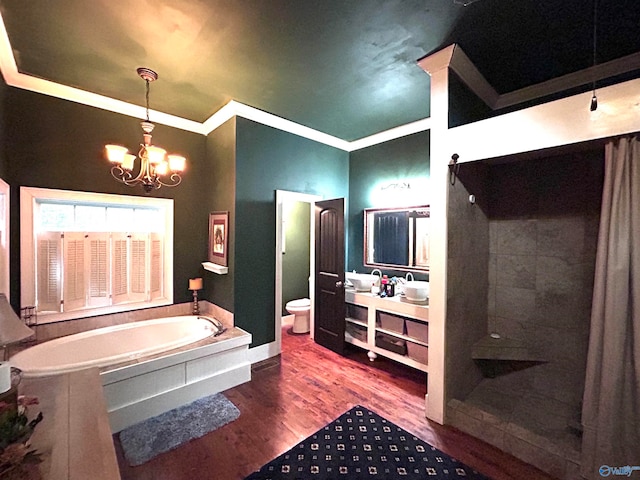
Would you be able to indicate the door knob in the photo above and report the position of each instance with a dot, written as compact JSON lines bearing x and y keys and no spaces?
{"x":339,"y":284}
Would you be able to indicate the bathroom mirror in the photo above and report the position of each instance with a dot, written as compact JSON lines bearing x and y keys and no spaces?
{"x":397,"y":238}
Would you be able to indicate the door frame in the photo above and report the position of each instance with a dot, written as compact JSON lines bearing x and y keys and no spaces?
{"x":281,"y":197}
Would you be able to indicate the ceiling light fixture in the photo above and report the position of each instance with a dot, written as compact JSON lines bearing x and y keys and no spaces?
{"x":155,"y":164}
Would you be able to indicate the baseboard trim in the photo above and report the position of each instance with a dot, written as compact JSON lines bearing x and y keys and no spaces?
{"x":263,"y":352}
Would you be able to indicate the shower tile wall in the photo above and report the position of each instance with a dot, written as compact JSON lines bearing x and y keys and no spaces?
{"x":468,"y":260}
{"x":542,"y":218}
{"x":541,"y":267}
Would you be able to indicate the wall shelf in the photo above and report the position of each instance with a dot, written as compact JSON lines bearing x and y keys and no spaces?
{"x":215,"y":268}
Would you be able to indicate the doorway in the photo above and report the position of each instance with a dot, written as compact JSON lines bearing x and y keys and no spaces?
{"x":283,"y":200}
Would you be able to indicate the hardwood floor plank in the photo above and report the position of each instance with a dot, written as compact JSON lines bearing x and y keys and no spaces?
{"x":289,"y":399}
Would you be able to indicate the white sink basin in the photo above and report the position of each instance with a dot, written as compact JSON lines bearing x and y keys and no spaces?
{"x":416,"y":291}
{"x":362,"y":282}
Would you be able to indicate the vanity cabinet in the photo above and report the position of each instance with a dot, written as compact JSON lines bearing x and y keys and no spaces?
{"x":391,"y":327}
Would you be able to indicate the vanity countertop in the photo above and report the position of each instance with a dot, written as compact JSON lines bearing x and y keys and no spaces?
{"x":396,"y":304}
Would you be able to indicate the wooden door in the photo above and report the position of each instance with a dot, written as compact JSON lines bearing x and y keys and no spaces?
{"x":329,"y":275}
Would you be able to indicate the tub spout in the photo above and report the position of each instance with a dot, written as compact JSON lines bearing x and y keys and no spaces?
{"x":220,"y":329}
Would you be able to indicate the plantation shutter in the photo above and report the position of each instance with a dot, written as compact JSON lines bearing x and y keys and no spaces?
{"x":48,"y":271}
{"x":73,"y":293}
{"x":120,"y":269}
{"x":139,"y":245}
{"x":156,"y":267}
{"x":98,"y":267}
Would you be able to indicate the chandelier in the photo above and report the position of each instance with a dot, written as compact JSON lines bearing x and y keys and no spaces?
{"x":156,"y":168}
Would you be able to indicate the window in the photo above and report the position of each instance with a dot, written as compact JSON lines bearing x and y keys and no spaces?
{"x":86,"y":254}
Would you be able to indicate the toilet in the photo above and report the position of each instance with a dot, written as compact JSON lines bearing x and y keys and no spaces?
{"x":300,"y":309}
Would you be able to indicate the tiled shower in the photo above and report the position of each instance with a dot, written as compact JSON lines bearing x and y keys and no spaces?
{"x":533,"y":232}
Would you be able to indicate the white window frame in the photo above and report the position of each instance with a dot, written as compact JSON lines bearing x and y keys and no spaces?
{"x":30,"y":196}
{"x":4,"y":241}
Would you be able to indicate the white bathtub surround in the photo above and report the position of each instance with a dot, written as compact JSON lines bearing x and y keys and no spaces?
{"x":137,"y":387}
{"x":50,"y":331}
{"x":152,"y":385}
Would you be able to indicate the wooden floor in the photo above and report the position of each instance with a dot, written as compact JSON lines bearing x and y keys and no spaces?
{"x":307,"y":387}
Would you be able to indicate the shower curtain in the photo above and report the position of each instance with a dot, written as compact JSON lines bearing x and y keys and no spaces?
{"x":611,"y":402}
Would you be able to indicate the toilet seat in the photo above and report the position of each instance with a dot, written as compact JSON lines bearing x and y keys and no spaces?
{"x":300,"y":303}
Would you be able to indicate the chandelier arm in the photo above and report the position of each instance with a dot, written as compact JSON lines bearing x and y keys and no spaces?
{"x":175,"y":180}
{"x":119,"y":174}
{"x":125,"y":177}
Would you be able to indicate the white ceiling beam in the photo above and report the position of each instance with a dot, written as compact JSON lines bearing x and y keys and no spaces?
{"x":467,"y":71}
{"x":595,"y":73}
{"x":454,"y":58}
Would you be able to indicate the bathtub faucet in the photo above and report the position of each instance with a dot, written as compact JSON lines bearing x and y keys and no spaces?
{"x":220,"y":329}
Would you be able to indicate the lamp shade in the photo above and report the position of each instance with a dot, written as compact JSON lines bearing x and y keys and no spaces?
{"x":177,"y":163}
{"x":115,"y":153}
{"x":127,"y":162}
{"x":155,"y":154}
{"x":195,"y":284}
{"x":162,"y":168}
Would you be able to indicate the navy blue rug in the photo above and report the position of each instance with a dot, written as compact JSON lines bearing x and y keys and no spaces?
{"x":149,"y":438}
{"x":361,"y":444}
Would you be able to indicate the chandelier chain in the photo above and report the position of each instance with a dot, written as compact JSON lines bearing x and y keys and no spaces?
{"x":147,"y":97}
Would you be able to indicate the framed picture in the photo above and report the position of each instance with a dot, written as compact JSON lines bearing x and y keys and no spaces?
{"x":218,"y":237}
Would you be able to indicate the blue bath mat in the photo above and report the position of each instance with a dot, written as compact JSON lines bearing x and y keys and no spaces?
{"x":145,"y":440}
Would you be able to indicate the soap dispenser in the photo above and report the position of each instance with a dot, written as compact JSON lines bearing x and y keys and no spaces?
{"x":383,"y":286}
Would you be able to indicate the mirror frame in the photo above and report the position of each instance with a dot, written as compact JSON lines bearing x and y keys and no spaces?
{"x":391,"y":266}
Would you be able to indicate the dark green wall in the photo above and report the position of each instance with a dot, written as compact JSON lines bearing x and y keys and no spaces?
{"x":53,"y":143}
{"x":295,"y":260}
{"x":267,"y":160}
{"x":220,"y":195}
{"x":405,"y":159}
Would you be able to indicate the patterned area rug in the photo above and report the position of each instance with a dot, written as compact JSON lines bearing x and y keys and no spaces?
{"x":145,"y":440}
{"x":361,"y":444}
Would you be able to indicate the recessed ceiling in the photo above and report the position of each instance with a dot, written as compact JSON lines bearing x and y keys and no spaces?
{"x":343,"y":67}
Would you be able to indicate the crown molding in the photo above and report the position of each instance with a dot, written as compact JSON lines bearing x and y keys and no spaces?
{"x":13,"y":77}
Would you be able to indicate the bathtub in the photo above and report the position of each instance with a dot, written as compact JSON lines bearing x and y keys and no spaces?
{"x":147,"y":367}
{"x":111,"y":345}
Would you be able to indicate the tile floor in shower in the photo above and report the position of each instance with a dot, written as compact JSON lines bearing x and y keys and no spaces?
{"x":507,"y":413}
